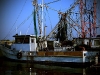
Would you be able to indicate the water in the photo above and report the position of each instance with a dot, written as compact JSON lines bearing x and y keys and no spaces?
{"x":8,"y":67}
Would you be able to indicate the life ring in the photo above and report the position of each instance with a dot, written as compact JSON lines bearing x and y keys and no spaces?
{"x":19,"y":55}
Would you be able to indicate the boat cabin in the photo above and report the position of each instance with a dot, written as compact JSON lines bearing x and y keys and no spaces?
{"x":24,"y":42}
{"x":95,"y":42}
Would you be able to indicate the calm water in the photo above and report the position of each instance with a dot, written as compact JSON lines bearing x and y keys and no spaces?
{"x":8,"y":67}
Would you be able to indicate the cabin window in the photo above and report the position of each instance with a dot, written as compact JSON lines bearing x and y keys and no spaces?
{"x":26,"y":40}
{"x":18,"y":40}
{"x":96,"y":42}
{"x":22,"y":40}
{"x":32,"y":40}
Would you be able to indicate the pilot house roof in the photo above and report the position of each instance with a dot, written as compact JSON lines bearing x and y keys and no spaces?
{"x":24,"y":36}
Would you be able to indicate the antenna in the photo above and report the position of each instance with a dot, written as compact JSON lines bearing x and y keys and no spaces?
{"x":20,"y":32}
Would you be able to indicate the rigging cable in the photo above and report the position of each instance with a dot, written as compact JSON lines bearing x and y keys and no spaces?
{"x":52,"y":2}
{"x":15,"y":20}
{"x":51,"y":8}
{"x":49,"y":18}
{"x":26,"y":34}
{"x":21,"y":23}
{"x":25,"y":20}
{"x":28,"y":28}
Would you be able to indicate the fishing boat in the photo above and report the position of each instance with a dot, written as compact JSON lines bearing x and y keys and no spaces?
{"x":28,"y":48}
{"x":28,"y":51}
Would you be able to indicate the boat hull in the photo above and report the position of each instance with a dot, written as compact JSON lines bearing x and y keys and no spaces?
{"x":71,"y":58}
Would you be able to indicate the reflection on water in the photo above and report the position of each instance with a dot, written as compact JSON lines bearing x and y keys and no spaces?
{"x":17,"y":68}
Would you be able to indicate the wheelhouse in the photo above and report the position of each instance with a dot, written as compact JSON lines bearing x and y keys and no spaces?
{"x":25,"y":42}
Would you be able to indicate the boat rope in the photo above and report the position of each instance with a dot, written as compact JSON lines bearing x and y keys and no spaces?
{"x":19,"y":25}
{"x":52,"y":2}
{"x":24,"y":21}
{"x":51,"y":8}
{"x":26,"y":33}
{"x":28,"y":28}
{"x":49,"y":18}
{"x":16,"y":20}
{"x":44,"y":18}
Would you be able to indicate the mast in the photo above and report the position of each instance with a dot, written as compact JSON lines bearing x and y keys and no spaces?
{"x":42,"y":17}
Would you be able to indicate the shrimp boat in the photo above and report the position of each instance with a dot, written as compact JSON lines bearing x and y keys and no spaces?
{"x":27,"y":48}
{"x":28,"y":51}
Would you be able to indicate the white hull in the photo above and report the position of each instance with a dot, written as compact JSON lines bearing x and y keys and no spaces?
{"x":33,"y":56}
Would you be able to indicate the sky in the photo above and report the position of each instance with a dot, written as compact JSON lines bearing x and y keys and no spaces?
{"x":14,"y":12}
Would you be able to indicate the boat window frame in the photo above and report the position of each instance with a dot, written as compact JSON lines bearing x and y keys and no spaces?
{"x":22,"y":40}
{"x":96,"y":42}
{"x":32,"y":40}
